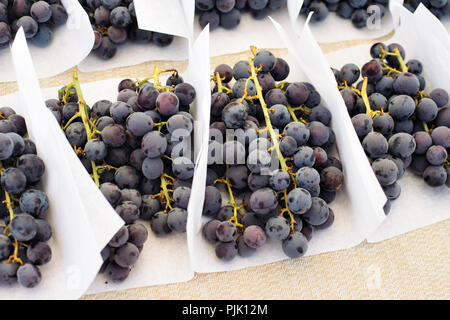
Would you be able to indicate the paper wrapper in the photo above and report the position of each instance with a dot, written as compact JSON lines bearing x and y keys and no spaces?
{"x":75,"y":244}
{"x":418,"y":205}
{"x":156,"y":15}
{"x":163,"y":259}
{"x":168,"y":16}
{"x":441,"y":28}
{"x":71,"y":43}
{"x":353,"y":221}
{"x":336,"y":29}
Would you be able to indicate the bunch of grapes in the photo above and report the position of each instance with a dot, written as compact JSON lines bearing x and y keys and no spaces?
{"x":440,"y":8}
{"x":227,"y":13}
{"x":137,"y":150}
{"x":270,"y":144}
{"x":37,"y":18}
{"x":24,"y":206}
{"x":358,"y":11}
{"x":398,"y":123}
{"x":114,"y":22}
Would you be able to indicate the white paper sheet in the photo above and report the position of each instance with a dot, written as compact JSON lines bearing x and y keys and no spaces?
{"x":418,"y":205}
{"x":169,"y":16}
{"x":441,"y":28}
{"x":75,"y":254}
{"x":336,"y":29}
{"x":71,"y":43}
{"x":353,"y":222}
{"x":163,"y":259}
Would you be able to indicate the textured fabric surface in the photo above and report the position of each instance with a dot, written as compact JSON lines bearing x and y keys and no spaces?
{"x":412,"y":266}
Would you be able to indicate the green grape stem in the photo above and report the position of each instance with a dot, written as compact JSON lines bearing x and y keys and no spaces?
{"x":369,"y":110}
{"x":82,"y":110}
{"x":14,"y":257}
{"x":236,"y":209}
{"x":273,"y":135}
{"x":220,"y":87}
{"x":165,"y":191}
{"x":403,"y":66}
{"x":155,"y":77}
{"x":292,"y":221}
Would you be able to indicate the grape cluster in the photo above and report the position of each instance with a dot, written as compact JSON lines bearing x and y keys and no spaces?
{"x":269,"y":149}
{"x":440,"y":8}
{"x":138,"y":151}
{"x":358,"y":11}
{"x":37,"y":18}
{"x":227,"y":13}
{"x":399,"y":125}
{"x":24,"y":207}
{"x":114,"y":22}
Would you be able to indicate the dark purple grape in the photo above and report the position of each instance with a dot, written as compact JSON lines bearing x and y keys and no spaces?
{"x":435,"y":176}
{"x":107,"y":49}
{"x":114,"y":135}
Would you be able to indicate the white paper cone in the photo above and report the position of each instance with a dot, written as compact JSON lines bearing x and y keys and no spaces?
{"x":71,"y":43}
{"x":75,"y":251}
{"x":353,"y":220}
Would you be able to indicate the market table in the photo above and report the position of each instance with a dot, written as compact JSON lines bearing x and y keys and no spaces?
{"x":411,"y":266}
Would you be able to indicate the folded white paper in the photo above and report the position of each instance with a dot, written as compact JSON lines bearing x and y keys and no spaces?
{"x":163,"y":259}
{"x":75,"y":252}
{"x":336,"y":29}
{"x":71,"y":43}
{"x":169,"y":16}
{"x":418,"y":204}
{"x":353,"y":220}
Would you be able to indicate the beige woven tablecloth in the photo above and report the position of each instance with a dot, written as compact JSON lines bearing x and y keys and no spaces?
{"x":415,"y":265}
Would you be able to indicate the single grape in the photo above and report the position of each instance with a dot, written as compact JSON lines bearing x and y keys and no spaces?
{"x":254,"y":236}
{"x":213,"y":201}
{"x":295,"y":245}
{"x":277,"y":228}
{"x":263,"y":201}
{"x":177,"y":219}
{"x":113,"y":135}
{"x":39,"y":253}
{"x":441,"y":136}
{"x":209,"y":230}
{"x":385,"y":170}
{"x":436,"y":155}
{"x":243,"y":249}
{"x":402,"y":144}
{"x":28,"y":275}
{"x":226,"y":251}
{"x":13,"y":180}
{"x":362,"y":123}
{"x":158,"y":224}
{"x":435,"y":176}
{"x":318,"y":213}
{"x":392,"y":191}
{"x":299,"y":200}
{"x":167,"y":103}
{"x":128,"y":211}
{"x":331,"y":179}
{"x":426,"y":110}
{"x":375,"y":145}
{"x":116,"y":273}
{"x":307,"y":178}
{"x":34,"y":202}
{"x":349,"y":73}
{"x":154,"y":144}
{"x":127,"y":177}
{"x":238,"y":176}
{"x":280,"y":180}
